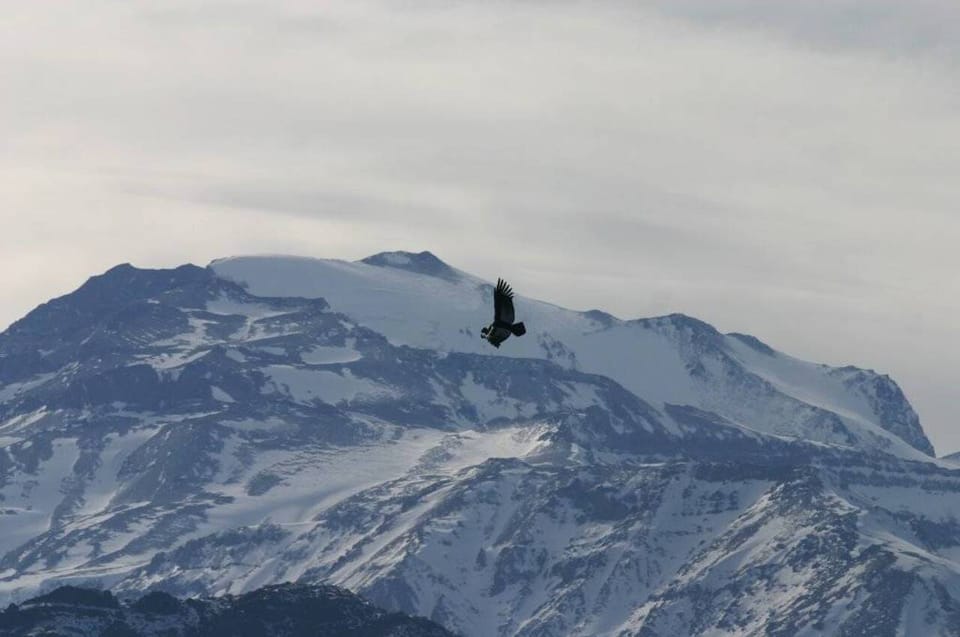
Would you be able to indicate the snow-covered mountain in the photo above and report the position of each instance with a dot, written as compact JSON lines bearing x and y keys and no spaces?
{"x":275,"y":419}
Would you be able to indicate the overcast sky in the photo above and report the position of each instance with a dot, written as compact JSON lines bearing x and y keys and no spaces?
{"x":786,"y":169}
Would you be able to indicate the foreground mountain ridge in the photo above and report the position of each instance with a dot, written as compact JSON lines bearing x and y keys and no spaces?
{"x":283,"y":610}
{"x":274,"y":419}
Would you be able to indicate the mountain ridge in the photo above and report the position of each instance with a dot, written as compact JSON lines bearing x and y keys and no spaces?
{"x":557,"y":329}
{"x":277,"y":611}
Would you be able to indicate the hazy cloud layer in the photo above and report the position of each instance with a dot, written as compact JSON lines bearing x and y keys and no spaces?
{"x":784,"y":169}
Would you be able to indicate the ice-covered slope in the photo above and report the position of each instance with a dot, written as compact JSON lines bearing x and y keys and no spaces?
{"x":268,"y":420}
{"x":417,"y":300}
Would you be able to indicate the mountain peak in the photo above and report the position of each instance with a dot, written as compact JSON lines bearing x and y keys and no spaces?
{"x":753,"y":342}
{"x":104,"y":293}
{"x":696,"y":328}
{"x":419,"y":262}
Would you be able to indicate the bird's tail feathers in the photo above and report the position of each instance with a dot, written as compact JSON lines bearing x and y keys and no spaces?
{"x":518,"y":329}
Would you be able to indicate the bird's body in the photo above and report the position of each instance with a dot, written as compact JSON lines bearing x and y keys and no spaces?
{"x":496,"y":334}
{"x":503,"y":317}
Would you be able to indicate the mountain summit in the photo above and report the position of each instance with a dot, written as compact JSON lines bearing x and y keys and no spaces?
{"x":422,"y":263}
{"x":673,"y":359}
{"x":209,"y":431}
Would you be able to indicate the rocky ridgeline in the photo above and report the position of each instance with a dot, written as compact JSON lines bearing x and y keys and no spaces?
{"x":274,"y":611}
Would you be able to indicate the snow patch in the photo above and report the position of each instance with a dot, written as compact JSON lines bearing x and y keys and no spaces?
{"x":308,"y":385}
{"x":324,"y":355}
{"x":220,"y":395}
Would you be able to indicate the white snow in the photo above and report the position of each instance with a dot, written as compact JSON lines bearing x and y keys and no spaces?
{"x":813,"y":384}
{"x":34,"y":497}
{"x":14,"y":389}
{"x":231,"y":307}
{"x":21,"y":422}
{"x":220,"y":395}
{"x":805,"y":381}
{"x":323,"y":355}
{"x":101,"y":489}
{"x":312,"y":480}
{"x":446,"y":315}
{"x":396,"y":258}
{"x":307,"y":385}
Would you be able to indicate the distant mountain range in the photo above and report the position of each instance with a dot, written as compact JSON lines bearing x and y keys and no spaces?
{"x":265,"y":420}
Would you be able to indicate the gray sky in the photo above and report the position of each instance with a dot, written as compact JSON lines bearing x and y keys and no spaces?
{"x":783,"y":169}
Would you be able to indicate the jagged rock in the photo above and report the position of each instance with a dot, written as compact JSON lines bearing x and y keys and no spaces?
{"x":274,"y":611}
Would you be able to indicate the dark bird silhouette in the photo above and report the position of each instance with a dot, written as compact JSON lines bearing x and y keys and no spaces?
{"x":503,"y":317}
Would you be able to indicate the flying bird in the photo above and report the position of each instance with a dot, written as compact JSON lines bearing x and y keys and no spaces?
{"x":503,"y":316}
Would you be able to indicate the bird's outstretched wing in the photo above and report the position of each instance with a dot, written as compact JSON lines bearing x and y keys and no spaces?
{"x":503,"y":303}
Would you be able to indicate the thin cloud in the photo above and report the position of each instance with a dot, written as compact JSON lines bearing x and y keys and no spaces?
{"x":885,"y":27}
